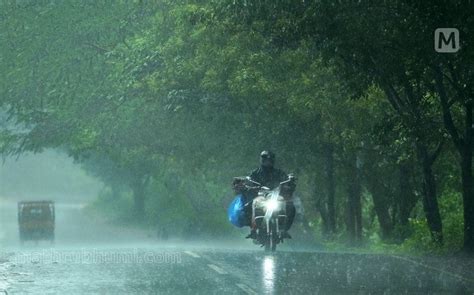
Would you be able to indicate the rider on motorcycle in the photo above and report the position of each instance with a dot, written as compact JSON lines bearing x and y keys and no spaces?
{"x":269,"y":176}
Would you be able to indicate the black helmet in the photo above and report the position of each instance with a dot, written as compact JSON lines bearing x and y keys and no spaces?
{"x":267,"y":155}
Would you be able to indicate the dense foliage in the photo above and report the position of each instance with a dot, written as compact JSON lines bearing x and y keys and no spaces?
{"x":165,"y":101}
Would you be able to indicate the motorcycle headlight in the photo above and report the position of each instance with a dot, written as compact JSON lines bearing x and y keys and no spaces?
{"x":271,"y":204}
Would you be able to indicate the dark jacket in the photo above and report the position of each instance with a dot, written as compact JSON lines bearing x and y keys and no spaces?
{"x":270,"y":178}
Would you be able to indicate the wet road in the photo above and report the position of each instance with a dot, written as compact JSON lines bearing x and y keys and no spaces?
{"x":86,"y":261}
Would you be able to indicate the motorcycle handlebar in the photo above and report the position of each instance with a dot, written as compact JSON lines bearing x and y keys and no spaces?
{"x":291,"y":178}
{"x":252,"y":181}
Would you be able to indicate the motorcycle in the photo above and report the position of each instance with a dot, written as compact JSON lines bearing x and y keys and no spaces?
{"x":270,"y":211}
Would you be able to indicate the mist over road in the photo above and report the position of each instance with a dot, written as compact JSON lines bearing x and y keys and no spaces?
{"x":90,"y":257}
{"x":73,"y":228}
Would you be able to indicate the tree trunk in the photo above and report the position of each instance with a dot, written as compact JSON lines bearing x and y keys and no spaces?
{"x":381,"y":206}
{"x":468,"y":182}
{"x":139,"y":200}
{"x":383,"y":216}
{"x":407,"y":199}
{"x":354,"y":210}
{"x":468,"y":200}
{"x":430,"y":201}
{"x":330,"y":188}
{"x":464,"y":145}
{"x":324,"y":217}
{"x":138,"y":189}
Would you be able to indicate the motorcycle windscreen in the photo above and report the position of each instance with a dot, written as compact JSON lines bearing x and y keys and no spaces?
{"x":236,"y":211}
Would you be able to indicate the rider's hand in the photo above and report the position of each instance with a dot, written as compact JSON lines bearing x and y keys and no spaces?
{"x":238,"y":185}
{"x":291,"y":177}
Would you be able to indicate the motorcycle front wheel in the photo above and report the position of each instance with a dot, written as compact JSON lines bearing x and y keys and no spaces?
{"x":271,"y":238}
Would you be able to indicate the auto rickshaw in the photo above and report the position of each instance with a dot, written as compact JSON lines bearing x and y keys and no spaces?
{"x":36,"y":221}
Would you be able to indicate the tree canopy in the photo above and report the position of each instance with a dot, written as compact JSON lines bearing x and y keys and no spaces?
{"x":165,"y":101}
